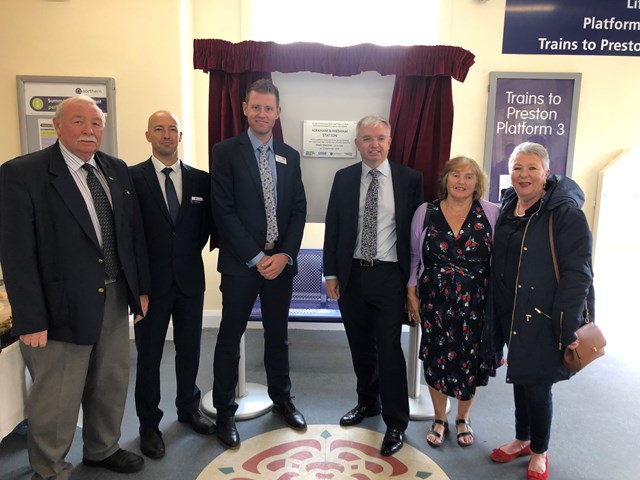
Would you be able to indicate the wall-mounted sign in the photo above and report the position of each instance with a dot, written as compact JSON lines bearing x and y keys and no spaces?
{"x":530,"y":107}
{"x":39,"y":96}
{"x":572,"y":27}
{"x":333,"y":139}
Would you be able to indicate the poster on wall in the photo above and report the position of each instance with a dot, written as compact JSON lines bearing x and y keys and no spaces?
{"x":529,"y":107}
{"x":572,"y":27}
{"x":39,"y":96}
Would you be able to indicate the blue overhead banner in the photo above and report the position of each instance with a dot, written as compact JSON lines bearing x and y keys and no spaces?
{"x":572,"y":27}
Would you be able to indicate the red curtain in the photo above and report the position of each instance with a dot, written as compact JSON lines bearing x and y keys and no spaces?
{"x":421,"y":120}
{"x":421,"y":113}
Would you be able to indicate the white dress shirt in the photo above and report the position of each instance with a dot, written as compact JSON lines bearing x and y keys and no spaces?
{"x":387,"y":237}
{"x":176,"y":177}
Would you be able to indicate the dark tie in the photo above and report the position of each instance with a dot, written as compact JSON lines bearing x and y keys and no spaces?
{"x":268,"y":192}
{"x":369,"y":245}
{"x":172,"y":196}
{"x":105,"y":218}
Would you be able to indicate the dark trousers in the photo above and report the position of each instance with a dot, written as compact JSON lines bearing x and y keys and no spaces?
{"x":534,"y":412}
{"x":151,"y":331}
{"x":239,"y":293}
{"x":372,"y":308}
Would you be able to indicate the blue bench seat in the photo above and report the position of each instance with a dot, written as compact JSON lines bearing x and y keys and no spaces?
{"x":309,"y":301}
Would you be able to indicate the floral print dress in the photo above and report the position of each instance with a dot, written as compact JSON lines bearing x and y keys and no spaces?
{"x":452,"y":291}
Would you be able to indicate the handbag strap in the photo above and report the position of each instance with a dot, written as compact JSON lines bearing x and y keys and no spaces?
{"x":555,"y":263}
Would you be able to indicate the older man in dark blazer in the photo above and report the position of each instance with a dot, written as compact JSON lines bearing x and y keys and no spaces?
{"x":259,"y":207}
{"x":176,"y":210}
{"x":366,"y":264}
{"x":74,"y":257}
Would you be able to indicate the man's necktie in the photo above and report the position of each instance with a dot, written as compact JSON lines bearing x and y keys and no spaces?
{"x":105,"y":218}
{"x":369,"y":244}
{"x":172,"y":196}
{"x":269,"y":196}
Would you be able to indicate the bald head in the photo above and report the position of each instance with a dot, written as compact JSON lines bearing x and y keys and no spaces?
{"x":164,"y":135}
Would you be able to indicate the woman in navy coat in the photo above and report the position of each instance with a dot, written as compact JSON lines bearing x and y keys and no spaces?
{"x":535,"y":315}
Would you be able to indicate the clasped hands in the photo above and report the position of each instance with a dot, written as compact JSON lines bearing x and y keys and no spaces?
{"x":270,"y":266}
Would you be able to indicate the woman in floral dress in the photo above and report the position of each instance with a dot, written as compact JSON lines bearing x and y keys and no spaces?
{"x":447,"y":291}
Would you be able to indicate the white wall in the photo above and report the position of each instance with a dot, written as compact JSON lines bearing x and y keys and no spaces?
{"x":313,"y":96}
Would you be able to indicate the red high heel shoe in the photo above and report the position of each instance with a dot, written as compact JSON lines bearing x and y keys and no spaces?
{"x":531,"y":475}
{"x":500,"y":456}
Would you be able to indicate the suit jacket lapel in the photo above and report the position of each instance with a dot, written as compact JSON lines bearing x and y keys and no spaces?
{"x":151,"y":178}
{"x":66,"y":186}
{"x":399,"y":194}
{"x":352,"y":198}
{"x":281,"y":172}
{"x":187,"y":185}
{"x":251,"y":164}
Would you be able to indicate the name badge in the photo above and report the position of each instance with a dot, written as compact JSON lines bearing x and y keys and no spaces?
{"x":197,"y":200}
{"x":281,"y":159}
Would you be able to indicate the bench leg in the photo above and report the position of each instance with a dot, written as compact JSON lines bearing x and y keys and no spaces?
{"x":252,"y":398}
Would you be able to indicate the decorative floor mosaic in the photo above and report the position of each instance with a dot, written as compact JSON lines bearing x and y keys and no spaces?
{"x":323,"y":452}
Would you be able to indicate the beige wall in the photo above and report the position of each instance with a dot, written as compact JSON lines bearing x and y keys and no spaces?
{"x":147,"y":47}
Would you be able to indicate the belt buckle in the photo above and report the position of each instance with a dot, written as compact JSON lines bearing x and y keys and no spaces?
{"x":365,"y":263}
{"x":270,"y":245}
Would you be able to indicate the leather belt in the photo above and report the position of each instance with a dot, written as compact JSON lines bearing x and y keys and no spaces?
{"x":369,"y":263}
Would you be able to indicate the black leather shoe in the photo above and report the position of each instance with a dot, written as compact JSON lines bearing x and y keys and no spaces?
{"x":198,"y":421}
{"x":392,"y":442}
{"x":151,"y":443}
{"x":227,"y":432}
{"x":120,"y":462}
{"x":357,"y":414}
{"x":291,"y":414}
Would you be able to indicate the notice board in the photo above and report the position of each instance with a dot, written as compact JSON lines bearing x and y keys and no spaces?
{"x":39,"y":96}
{"x":530,"y":107}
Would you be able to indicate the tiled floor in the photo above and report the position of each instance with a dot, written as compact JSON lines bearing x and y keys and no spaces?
{"x":595,"y":419}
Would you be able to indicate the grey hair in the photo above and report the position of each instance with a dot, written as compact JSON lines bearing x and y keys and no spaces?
{"x":77,"y":99}
{"x":533,"y":148}
{"x":372,"y":121}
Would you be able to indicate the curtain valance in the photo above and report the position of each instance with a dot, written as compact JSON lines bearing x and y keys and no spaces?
{"x":251,"y":56}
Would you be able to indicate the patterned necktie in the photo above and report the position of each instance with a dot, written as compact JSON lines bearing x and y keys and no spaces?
{"x":172,"y":196}
{"x":269,"y":197}
{"x":369,"y":245}
{"x":105,"y":218}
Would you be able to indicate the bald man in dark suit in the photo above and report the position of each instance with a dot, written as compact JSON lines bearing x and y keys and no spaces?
{"x":176,"y":210}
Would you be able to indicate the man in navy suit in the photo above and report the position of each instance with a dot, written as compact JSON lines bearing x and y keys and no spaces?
{"x":176,"y":211}
{"x":259,"y":207}
{"x":74,"y":257}
{"x":367,"y":269}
